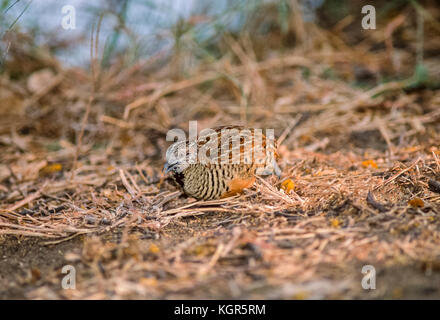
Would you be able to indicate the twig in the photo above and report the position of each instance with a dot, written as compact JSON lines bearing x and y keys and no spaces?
{"x":376,"y":205}
{"x":396,"y":175}
{"x":25,"y":201}
{"x":127,"y":184}
{"x":289,"y":128}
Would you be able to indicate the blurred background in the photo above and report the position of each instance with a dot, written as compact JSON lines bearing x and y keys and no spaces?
{"x":134,"y":48}
{"x":144,"y":28}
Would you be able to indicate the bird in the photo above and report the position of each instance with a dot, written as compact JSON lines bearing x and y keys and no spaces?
{"x":226,"y":162}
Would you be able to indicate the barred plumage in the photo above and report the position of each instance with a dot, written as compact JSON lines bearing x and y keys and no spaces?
{"x":226,"y":171}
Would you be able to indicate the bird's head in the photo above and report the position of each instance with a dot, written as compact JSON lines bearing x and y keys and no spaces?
{"x":176,"y":158}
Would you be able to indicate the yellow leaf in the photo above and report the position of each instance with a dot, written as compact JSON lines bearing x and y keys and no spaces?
{"x":154,"y":249}
{"x":335,"y":223}
{"x":416,"y":202}
{"x":435,"y":150}
{"x":412,"y":149}
{"x":302,"y":295}
{"x":369,"y":163}
{"x":203,"y":250}
{"x":51,"y":168}
{"x":148,"y":282}
{"x":288,"y":185}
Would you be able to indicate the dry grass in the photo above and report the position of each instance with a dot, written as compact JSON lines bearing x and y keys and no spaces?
{"x":86,"y":163}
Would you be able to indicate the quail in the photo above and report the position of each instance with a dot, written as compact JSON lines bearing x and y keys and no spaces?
{"x":226,"y":161}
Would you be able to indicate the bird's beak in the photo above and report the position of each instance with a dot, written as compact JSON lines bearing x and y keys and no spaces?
{"x":167,"y":167}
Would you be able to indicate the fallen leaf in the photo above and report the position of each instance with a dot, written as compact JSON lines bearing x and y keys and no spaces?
{"x":369,"y":163}
{"x":416,"y":202}
{"x":154,"y":249}
{"x":148,"y":282}
{"x":302,"y":295}
{"x":287,"y":186}
{"x":335,"y":222}
{"x":51,"y":168}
